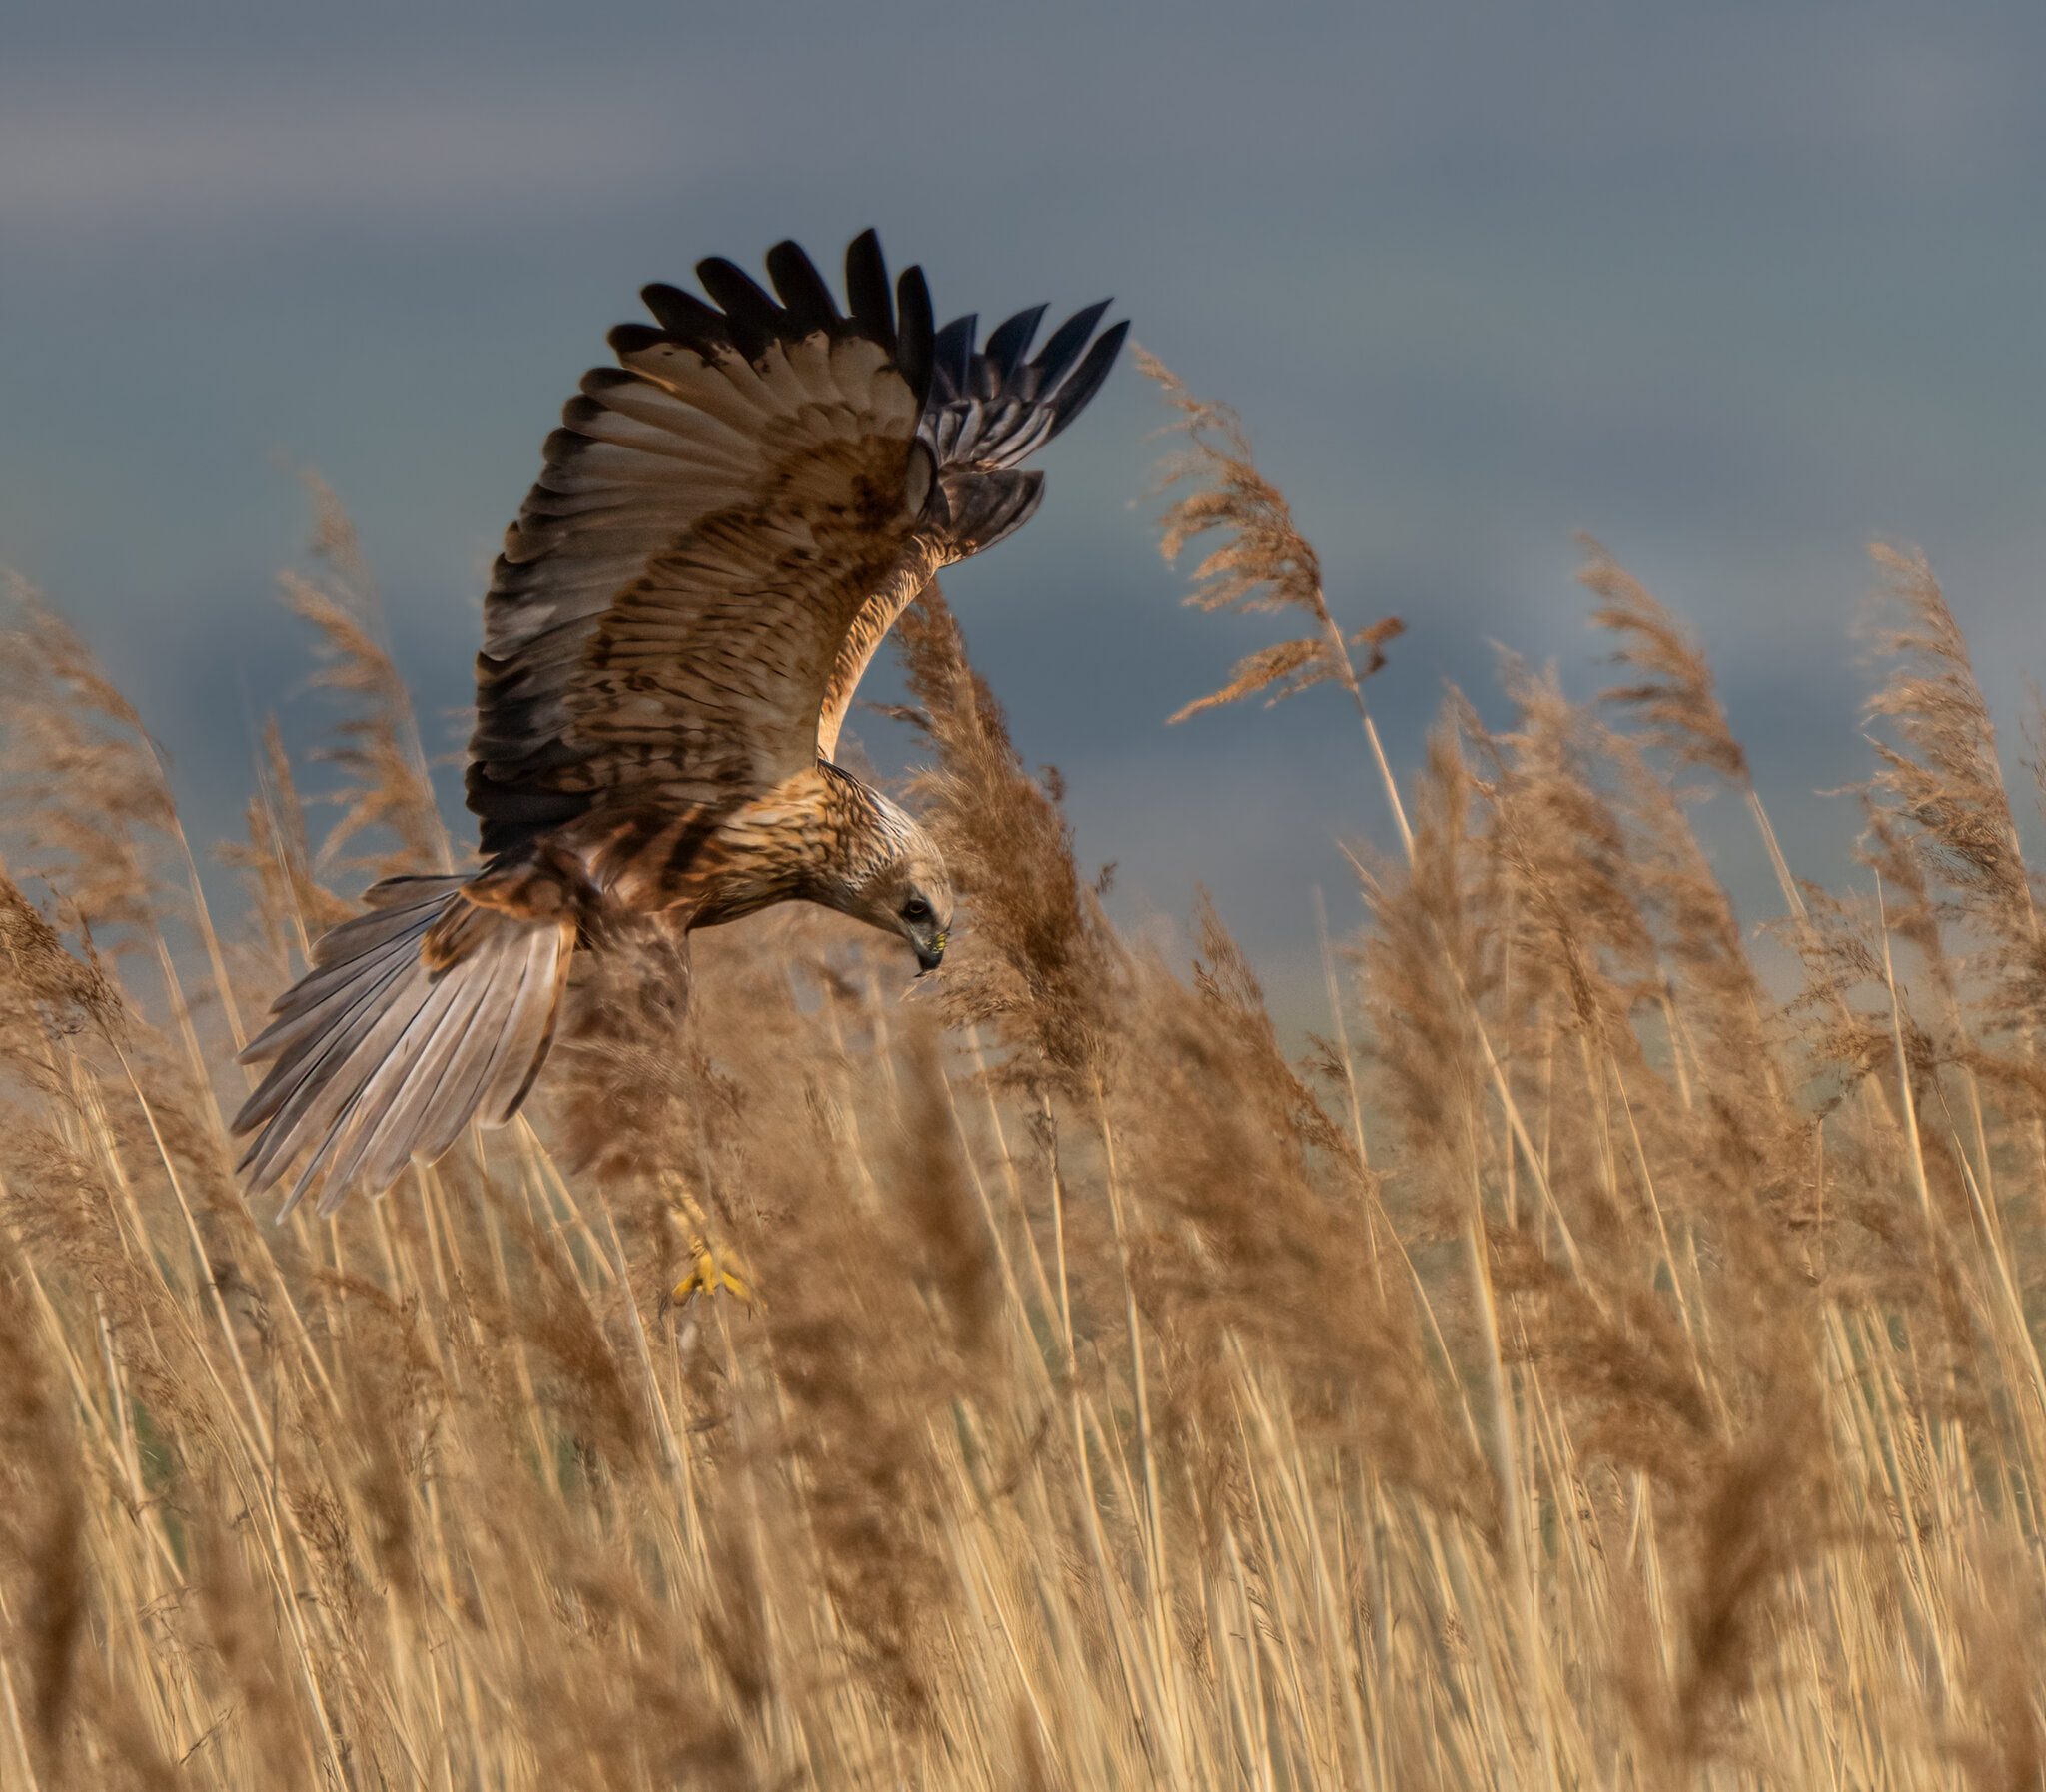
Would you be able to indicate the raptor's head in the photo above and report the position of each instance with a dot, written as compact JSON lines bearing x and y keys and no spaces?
{"x":909,"y":894}
{"x":881,"y":867}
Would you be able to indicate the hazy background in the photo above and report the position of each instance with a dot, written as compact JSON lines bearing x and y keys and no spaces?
{"x":1733,"y":288}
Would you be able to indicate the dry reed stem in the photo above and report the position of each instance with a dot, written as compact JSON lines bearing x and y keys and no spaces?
{"x":1641,"y":1414}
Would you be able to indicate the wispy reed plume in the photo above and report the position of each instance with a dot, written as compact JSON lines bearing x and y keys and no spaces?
{"x":1942,"y":775}
{"x":42,"y":1557}
{"x":1277,"y":1248}
{"x":2002,"y":1745}
{"x":1674,"y":696}
{"x":88,"y":801}
{"x":1764,"y":1517}
{"x":290,"y":903}
{"x":1420,"y":962}
{"x":1263,"y":565}
{"x":1568,"y":905}
{"x":1037,"y":960}
{"x":53,"y":994}
{"x":1675,"y":699}
{"x":1940,"y":799}
{"x":862,"y":1369}
{"x":385,"y":781}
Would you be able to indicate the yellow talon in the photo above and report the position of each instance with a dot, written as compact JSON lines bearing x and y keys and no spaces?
{"x":711,"y":1271}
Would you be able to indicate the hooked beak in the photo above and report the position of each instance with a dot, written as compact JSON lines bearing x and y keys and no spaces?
{"x":928,"y":958}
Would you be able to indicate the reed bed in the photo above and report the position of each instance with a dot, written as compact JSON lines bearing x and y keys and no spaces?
{"x":1590,"y":1367}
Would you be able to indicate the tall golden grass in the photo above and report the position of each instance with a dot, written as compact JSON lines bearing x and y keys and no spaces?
{"x":1590,"y":1368}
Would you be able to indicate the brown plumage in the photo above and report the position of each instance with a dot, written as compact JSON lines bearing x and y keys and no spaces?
{"x":727,"y":526}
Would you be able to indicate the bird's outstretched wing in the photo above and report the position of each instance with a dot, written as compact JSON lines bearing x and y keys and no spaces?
{"x":714,"y":513}
{"x":987,"y":411}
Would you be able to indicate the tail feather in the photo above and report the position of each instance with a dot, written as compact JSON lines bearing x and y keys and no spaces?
{"x":395,"y":904}
{"x":379,"y":1058}
{"x":371,"y":1133}
{"x":323,"y":1015}
{"x":533,"y":1014}
{"x":332,"y":1031}
{"x":322,"y":998}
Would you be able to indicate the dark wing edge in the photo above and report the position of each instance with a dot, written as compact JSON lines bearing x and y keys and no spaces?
{"x":624,"y":477}
{"x":988,"y":410}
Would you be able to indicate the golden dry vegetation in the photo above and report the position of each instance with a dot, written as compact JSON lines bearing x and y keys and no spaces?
{"x":1590,"y":1368}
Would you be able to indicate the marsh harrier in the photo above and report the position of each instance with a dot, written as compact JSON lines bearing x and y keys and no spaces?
{"x":726,"y":524}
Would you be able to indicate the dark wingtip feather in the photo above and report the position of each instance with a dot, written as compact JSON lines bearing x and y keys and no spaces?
{"x":1008,"y":342}
{"x":951,"y":353}
{"x":915,"y":337}
{"x":1071,"y":397}
{"x":810,"y":305}
{"x":753,"y":318}
{"x":685,"y":317}
{"x":1062,"y":348}
{"x":630,"y":339}
{"x":866,"y":287}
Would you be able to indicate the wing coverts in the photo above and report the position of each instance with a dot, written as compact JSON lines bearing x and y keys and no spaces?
{"x":710,"y":518}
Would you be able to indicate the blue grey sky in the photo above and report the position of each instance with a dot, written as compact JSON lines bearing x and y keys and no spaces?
{"x":1732,"y":286}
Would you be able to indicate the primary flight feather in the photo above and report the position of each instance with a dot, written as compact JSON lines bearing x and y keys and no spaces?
{"x":727,"y":526}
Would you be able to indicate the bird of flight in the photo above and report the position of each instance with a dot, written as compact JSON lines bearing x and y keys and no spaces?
{"x":726,"y":526}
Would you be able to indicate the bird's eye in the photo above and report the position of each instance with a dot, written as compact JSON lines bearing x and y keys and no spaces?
{"x":917,"y":909}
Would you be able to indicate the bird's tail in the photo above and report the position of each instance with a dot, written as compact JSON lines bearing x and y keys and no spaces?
{"x":415,"y":1016}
